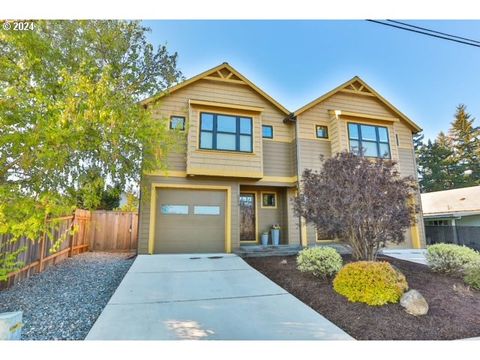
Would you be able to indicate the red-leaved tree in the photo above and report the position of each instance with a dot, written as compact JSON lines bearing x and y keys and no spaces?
{"x":361,"y":201}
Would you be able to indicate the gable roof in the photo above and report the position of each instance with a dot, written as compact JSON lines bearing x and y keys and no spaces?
{"x":363,"y":87}
{"x":223,"y":72}
{"x":455,"y":201}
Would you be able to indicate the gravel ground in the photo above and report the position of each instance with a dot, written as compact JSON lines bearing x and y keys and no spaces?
{"x":63,"y":302}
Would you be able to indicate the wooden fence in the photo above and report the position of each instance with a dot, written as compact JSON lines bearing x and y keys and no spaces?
{"x":95,"y":231}
{"x":114,"y":231}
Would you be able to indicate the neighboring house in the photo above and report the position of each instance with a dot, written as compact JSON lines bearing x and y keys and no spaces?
{"x":459,"y":207}
{"x":243,"y":157}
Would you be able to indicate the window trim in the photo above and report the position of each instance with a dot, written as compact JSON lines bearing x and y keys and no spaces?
{"x":377,"y":140}
{"x":214,"y":133}
{"x":316,"y":132}
{"x":255,"y":196}
{"x":274,"y":193}
{"x":267,"y":137}
{"x":177,"y":116}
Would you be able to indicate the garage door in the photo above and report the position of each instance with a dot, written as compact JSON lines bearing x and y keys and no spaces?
{"x":190,"y":221}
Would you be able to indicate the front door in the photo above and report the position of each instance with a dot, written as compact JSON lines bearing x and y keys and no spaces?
{"x":247,"y":217}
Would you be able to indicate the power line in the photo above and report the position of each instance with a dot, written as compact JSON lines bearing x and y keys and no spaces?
{"x":447,"y":37}
{"x":434,"y":31}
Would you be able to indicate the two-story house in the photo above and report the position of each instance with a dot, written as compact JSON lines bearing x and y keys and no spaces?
{"x":244,"y":156}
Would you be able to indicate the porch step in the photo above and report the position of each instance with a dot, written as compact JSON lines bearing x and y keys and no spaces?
{"x":284,"y":250}
{"x":269,"y":250}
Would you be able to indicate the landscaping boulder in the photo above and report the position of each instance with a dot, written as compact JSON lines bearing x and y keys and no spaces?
{"x":10,"y":325}
{"x":414,"y":303}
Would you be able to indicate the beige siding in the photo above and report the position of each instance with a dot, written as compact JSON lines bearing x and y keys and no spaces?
{"x":311,"y":152}
{"x":338,"y":131}
{"x":267,"y":217}
{"x":339,"y":101}
{"x":292,"y":219}
{"x":405,"y":136}
{"x":177,"y":161}
{"x":338,"y":136}
{"x":223,"y":163}
{"x":311,"y":234}
{"x":200,"y":162}
{"x":278,"y":159}
{"x":406,"y":162}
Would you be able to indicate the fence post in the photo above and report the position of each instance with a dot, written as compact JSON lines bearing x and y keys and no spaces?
{"x":70,"y":234}
{"x":42,"y":245}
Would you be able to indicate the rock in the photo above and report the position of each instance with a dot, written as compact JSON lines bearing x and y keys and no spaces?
{"x":283,"y":262}
{"x":414,"y":303}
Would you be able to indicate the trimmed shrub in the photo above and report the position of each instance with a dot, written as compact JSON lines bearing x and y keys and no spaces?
{"x":450,"y":258}
{"x":370,"y":282}
{"x":472,"y":275}
{"x":319,"y":261}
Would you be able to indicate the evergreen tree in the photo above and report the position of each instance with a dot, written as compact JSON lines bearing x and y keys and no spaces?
{"x":436,"y":169}
{"x":465,"y":142}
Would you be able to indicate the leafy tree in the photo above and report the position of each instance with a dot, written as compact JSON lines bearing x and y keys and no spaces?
{"x":69,"y":93}
{"x":94,"y":194}
{"x":131,"y":204}
{"x":465,"y":141}
{"x":360,"y":201}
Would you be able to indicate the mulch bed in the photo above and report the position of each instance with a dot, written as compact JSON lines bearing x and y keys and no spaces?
{"x":454,"y":310}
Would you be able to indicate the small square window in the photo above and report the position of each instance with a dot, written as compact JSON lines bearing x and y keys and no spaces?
{"x":321,"y":132}
{"x":267,"y":131}
{"x":269,"y":200}
{"x":177,"y":123}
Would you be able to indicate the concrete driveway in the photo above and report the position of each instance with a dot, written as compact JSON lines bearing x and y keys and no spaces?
{"x":207,"y":296}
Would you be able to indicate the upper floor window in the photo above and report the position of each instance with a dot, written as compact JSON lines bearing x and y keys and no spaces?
{"x":226,"y":132}
{"x":372,"y":140}
{"x":321,"y":131}
{"x":177,"y":122}
{"x":267,"y":131}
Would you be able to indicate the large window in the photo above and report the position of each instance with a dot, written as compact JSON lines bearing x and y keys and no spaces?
{"x":225,"y":132}
{"x":372,"y":140}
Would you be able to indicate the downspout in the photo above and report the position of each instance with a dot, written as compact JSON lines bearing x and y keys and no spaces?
{"x":303,"y":238}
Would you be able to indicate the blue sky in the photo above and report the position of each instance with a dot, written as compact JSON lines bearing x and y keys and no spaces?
{"x":297,"y":61}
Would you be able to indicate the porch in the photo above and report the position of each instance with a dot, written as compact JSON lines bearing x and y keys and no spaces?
{"x":260,"y":208}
